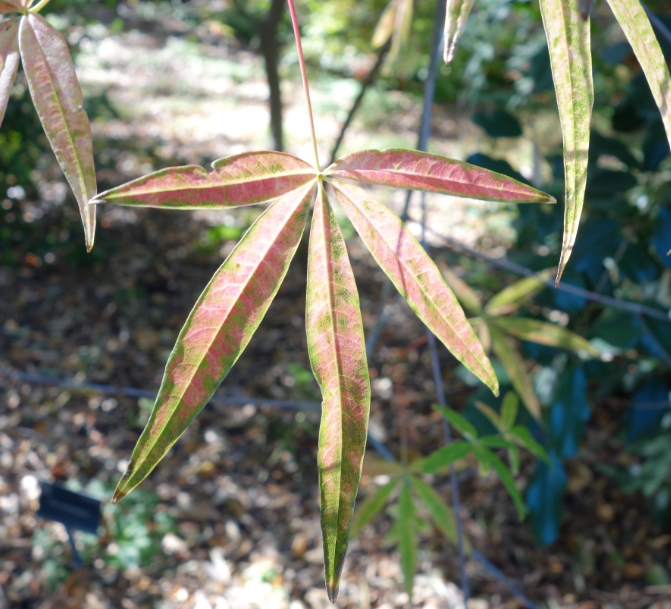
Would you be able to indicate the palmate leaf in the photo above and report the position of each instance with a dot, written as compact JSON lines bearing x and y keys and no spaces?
{"x":636,"y":26}
{"x":455,"y":23}
{"x":58,"y":100}
{"x":9,"y":61}
{"x":219,"y":328}
{"x":243,"y":179}
{"x":544,"y":334}
{"x":337,"y":352}
{"x":416,"y":277}
{"x":431,"y":172}
{"x":568,"y":36}
{"x":516,"y":369}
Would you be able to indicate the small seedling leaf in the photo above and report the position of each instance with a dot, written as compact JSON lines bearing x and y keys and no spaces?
{"x":441,"y":514}
{"x":512,"y":361}
{"x":407,"y":538}
{"x":371,"y":505}
{"x":486,"y":456}
{"x":544,"y":333}
{"x":517,"y":294}
{"x":463,"y":426}
{"x":445,"y":456}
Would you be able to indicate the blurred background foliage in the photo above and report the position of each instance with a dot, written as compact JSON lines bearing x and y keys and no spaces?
{"x":501,"y":80}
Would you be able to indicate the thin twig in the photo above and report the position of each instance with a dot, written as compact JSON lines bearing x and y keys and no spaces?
{"x":369,"y":80}
{"x":422,"y":144}
{"x":132,"y":392}
{"x":666,"y":358}
{"x":615,"y":303}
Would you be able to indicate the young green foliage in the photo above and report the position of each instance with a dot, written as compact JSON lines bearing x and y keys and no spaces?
{"x":492,"y":324}
{"x":57,"y":97}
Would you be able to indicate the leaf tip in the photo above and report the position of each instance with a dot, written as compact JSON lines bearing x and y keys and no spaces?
{"x":332,"y":591}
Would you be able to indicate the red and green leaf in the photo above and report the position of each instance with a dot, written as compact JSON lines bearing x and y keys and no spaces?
{"x":430,"y":172}
{"x":58,"y":100}
{"x":337,"y":352}
{"x":10,"y":6}
{"x":244,"y":179}
{"x":636,"y":25}
{"x":9,"y":61}
{"x":568,"y":36}
{"x":416,"y":277}
{"x":455,"y":24}
{"x":221,"y":324}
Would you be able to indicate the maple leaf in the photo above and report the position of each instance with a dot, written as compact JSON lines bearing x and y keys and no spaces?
{"x":234,"y":302}
{"x":57,"y":96}
{"x":239,"y":294}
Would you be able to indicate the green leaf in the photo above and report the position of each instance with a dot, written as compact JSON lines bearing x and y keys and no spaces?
{"x":514,"y":456}
{"x":638,"y":30}
{"x":509,"y":409}
{"x":58,"y":100}
{"x":516,"y":369}
{"x":464,"y":427}
{"x":337,"y":352}
{"x":544,"y":333}
{"x":9,"y":61}
{"x":455,"y":23}
{"x":441,"y":514}
{"x":467,"y":297}
{"x":496,"y":442}
{"x":423,"y":171}
{"x":526,"y":440}
{"x":568,"y":35}
{"x":385,"y":26}
{"x":371,"y":505}
{"x":517,"y":294}
{"x":486,"y":456}
{"x":407,"y":540}
{"x":416,"y":277}
{"x":243,"y":179}
{"x":490,"y":413}
{"x":445,"y":456}
{"x":221,"y":324}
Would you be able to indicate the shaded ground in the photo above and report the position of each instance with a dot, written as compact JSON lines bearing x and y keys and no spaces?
{"x":230,"y":518}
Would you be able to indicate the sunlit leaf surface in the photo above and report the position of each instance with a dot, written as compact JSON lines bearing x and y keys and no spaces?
{"x":568,"y":36}
{"x":424,"y":171}
{"x":337,"y":352}
{"x":221,"y":324}
{"x":416,"y":277}
{"x":243,"y":179}
{"x":9,"y":61}
{"x":455,"y":23}
{"x":58,"y":100}
{"x":636,"y":25}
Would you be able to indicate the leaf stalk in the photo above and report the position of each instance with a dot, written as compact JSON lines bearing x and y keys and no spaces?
{"x":304,"y":76}
{"x":39,"y":6}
